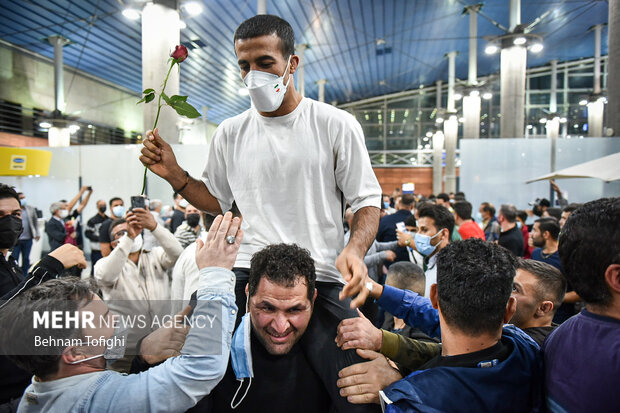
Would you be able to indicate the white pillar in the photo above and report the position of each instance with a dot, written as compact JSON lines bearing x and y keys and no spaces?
{"x":438,"y":86}
{"x":160,"y":35}
{"x":515,"y":14}
{"x":59,"y":84}
{"x":595,"y":118}
{"x":613,"y":68}
{"x":261,"y":7}
{"x":553,"y":98}
{"x":438,"y":140}
{"x":301,"y":87}
{"x":596,"y":109}
{"x":471,"y":113}
{"x":321,"y":84}
{"x":451,"y":79}
{"x":512,"y":97}
{"x":472,"y":77}
{"x":450,"y":130}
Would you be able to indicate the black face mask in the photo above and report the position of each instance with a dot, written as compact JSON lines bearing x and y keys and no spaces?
{"x":10,"y":230}
{"x":192,"y":219}
{"x":102,"y":208}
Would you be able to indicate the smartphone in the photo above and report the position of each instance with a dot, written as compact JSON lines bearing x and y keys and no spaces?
{"x":138,"y":201}
{"x":401,"y":226}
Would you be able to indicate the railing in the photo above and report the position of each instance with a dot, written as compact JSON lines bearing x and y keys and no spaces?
{"x":415,"y":158}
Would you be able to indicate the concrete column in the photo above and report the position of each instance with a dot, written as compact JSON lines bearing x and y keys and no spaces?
{"x":261,"y":7}
{"x":595,"y":118}
{"x":515,"y":14}
{"x":553,"y":98}
{"x":596,"y":109}
{"x":451,"y":127}
{"x":438,"y":140}
{"x":59,"y":83}
{"x":301,"y":87}
{"x":160,"y":34}
{"x":613,"y":68}
{"x":321,"y":84}
{"x":438,"y":86}
{"x":451,"y":79}
{"x":450,"y":130}
{"x":512,"y":84}
{"x":471,"y":113}
{"x":472,"y":77}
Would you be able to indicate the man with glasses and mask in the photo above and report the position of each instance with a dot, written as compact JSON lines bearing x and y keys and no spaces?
{"x":129,"y":277}
{"x":287,"y":144}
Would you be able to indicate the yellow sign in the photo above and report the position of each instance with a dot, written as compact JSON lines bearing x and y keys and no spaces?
{"x":20,"y":161}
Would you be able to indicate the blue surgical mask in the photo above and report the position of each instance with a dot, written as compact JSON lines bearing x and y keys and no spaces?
{"x":478,"y":217}
{"x":423,"y":243}
{"x":241,"y":357}
{"x":118,"y":211}
{"x":386,"y":205}
{"x":519,"y":224}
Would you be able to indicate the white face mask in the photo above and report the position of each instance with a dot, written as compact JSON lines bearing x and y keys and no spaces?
{"x":63,"y":213}
{"x":137,"y":244}
{"x":266,"y":89}
{"x":183,"y":203}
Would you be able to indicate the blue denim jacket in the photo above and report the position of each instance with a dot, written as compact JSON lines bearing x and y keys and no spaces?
{"x":174,"y":386}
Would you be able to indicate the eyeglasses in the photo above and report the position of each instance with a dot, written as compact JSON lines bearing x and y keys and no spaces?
{"x":119,"y":234}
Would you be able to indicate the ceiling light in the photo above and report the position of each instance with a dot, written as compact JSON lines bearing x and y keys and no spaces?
{"x":563,"y":120}
{"x":536,"y":47}
{"x":45,"y":125}
{"x":192,"y":8}
{"x":530,"y":127}
{"x":73,"y":128}
{"x":439,"y":119}
{"x":458,"y":96}
{"x":519,"y":40}
{"x":583,"y":102}
{"x":543,"y":120}
{"x":491,"y":49}
{"x":487,"y":95}
{"x":131,"y":14}
{"x":182,"y":24}
{"x":429,"y":134}
{"x":602,"y":99}
{"x":243,"y":91}
{"x":474,"y":93}
{"x":461,"y":119}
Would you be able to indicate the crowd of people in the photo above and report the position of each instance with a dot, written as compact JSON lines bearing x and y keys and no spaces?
{"x":321,"y":293}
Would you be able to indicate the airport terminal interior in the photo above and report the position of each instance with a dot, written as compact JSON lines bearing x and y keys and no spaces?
{"x":311,"y":205}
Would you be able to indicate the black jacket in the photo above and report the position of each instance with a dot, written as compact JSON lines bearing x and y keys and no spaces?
{"x":56,"y":233}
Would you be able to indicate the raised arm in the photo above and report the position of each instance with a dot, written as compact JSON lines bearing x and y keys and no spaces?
{"x":85,"y":200}
{"x":158,"y":156}
{"x":75,"y":199}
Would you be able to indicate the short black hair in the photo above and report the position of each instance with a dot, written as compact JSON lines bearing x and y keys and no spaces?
{"x":115,"y":199}
{"x":474,"y":283}
{"x":282,"y":264}
{"x":7,"y":191}
{"x":114,"y":224}
{"x":522,"y":215}
{"x":265,"y":25}
{"x":442,"y":217}
{"x":555,"y":213}
{"x":549,"y":224}
{"x":410,"y":222}
{"x":588,"y":245}
{"x":445,"y":197}
{"x":551,"y":283}
{"x":406,"y":276}
{"x":509,"y":212}
{"x":17,"y":317}
{"x":488,"y":207}
{"x":462,"y":209}
{"x":571,"y":207}
{"x":407,"y":199}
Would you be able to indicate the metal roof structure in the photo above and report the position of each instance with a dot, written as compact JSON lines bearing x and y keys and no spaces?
{"x":364,"y":48}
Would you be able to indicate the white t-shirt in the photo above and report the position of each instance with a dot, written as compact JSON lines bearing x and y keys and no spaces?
{"x":291,"y":176}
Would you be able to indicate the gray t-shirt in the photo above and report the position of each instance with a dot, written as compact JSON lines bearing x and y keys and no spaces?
{"x":291,"y":177}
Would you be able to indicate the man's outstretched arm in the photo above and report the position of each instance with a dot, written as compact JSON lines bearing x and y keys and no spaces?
{"x":157,"y":155}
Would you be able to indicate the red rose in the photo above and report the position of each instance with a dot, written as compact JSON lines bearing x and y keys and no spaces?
{"x":180,"y":53}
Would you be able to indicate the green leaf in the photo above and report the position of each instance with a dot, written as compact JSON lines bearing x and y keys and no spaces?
{"x":185,"y":109}
{"x":165,"y":98}
{"x":147,"y":91}
{"x":147,"y":98}
{"x":177,"y":98}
